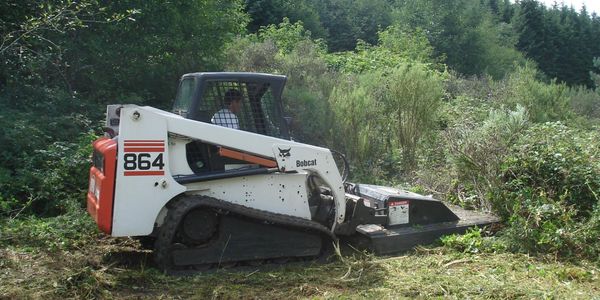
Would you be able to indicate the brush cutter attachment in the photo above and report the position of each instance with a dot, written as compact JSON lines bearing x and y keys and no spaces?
{"x":385,"y":220}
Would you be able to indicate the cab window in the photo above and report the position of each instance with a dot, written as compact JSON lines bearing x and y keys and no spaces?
{"x":185,"y":96}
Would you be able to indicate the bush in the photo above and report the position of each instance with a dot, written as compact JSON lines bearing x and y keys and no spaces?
{"x":46,"y":139}
{"x":544,"y":101}
{"x":69,"y":231}
{"x":466,"y":106}
{"x":50,"y":180}
{"x":476,"y":151}
{"x":357,"y":119}
{"x":551,"y":191}
{"x":410,"y":96}
{"x":473,"y":241}
{"x":397,"y":46}
{"x":288,"y":49}
{"x":382,"y":116}
{"x":585,"y":102}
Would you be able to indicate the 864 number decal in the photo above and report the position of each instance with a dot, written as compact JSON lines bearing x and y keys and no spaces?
{"x":141,"y":161}
{"x":144,"y":157}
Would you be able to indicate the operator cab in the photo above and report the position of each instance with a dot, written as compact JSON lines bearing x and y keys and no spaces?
{"x":202,"y":95}
{"x":206,"y":97}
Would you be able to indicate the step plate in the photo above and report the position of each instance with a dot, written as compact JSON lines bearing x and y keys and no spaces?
{"x":383,"y":241}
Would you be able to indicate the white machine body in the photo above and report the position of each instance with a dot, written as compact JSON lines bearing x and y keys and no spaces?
{"x":151,"y":153}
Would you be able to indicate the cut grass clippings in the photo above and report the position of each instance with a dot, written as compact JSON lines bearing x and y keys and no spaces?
{"x":118,"y":268}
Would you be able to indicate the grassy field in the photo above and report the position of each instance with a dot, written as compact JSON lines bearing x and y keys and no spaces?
{"x":59,"y":258}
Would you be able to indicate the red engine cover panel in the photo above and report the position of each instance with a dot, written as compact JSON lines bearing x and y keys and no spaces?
{"x":100,"y":196}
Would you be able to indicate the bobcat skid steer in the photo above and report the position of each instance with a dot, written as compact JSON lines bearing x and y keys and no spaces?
{"x":208,"y":193}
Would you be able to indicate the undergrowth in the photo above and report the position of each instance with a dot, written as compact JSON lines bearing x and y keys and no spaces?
{"x":550,"y":192}
{"x":469,"y":266}
{"x":66,"y":232}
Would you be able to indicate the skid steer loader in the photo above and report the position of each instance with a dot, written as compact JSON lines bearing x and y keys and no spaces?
{"x":208,"y":194}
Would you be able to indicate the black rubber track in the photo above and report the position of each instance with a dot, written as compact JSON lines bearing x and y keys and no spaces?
{"x":184,"y":204}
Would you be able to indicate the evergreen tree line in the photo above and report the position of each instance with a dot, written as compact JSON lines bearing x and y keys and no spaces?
{"x":473,"y":37}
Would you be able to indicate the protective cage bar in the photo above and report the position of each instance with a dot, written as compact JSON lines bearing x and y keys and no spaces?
{"x":258,"y":110}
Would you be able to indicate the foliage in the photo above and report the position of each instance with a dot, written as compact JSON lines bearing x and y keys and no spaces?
{"x":288,"y":49}
{"x":170,"y":40}
{"x":595,"y":76}
{"x":44,"y":128}
{"x":541,"y":178}
{"x":396,"y":47}
{"x":473,"y":241}
{"x":465,"y":33}
{"x":472,"y":37}
{"x":412,"y":44}
{"x":286,"y":36}
{"x":365,"y":58}
{"x":48,"y":181}
{"x":381,"y":111}
{"x":495,"y":53}
{"x":551,"y":189}
{"x":33,"y":40}
{"x":585,"y":102}
{"x":64,"y":59}
{"x":467,"y":105}
{"x":349,"y":21}
{"x":267,"y":12}
{"x":341,"y":22}
{"x":410,"y":97}
{"x":543,"y":101}
{"x":69,"y":231}
{"x":560,"y":40}
{"x":477,"y":150}
{"x":359,"y":132}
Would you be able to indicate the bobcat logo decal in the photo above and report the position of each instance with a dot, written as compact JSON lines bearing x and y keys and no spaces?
{"x":284,"y":152}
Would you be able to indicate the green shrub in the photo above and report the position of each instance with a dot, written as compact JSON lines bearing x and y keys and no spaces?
{"x":411,"y":96}
{"x":477,"y":149}
{"x":382,"y":116}
{"x":72,"y":230}
{"x":288,"y":49}
{"x":285,"y":35}
{"x":45,"y":141}
{"x":50,"y":180}
{"x":358,"y":120}
{"x":551,"y":191}
{"x":473,"y":242}
{"x":545,"y":102}
{"x":585,"y":102}
{"x":396,"y":47}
